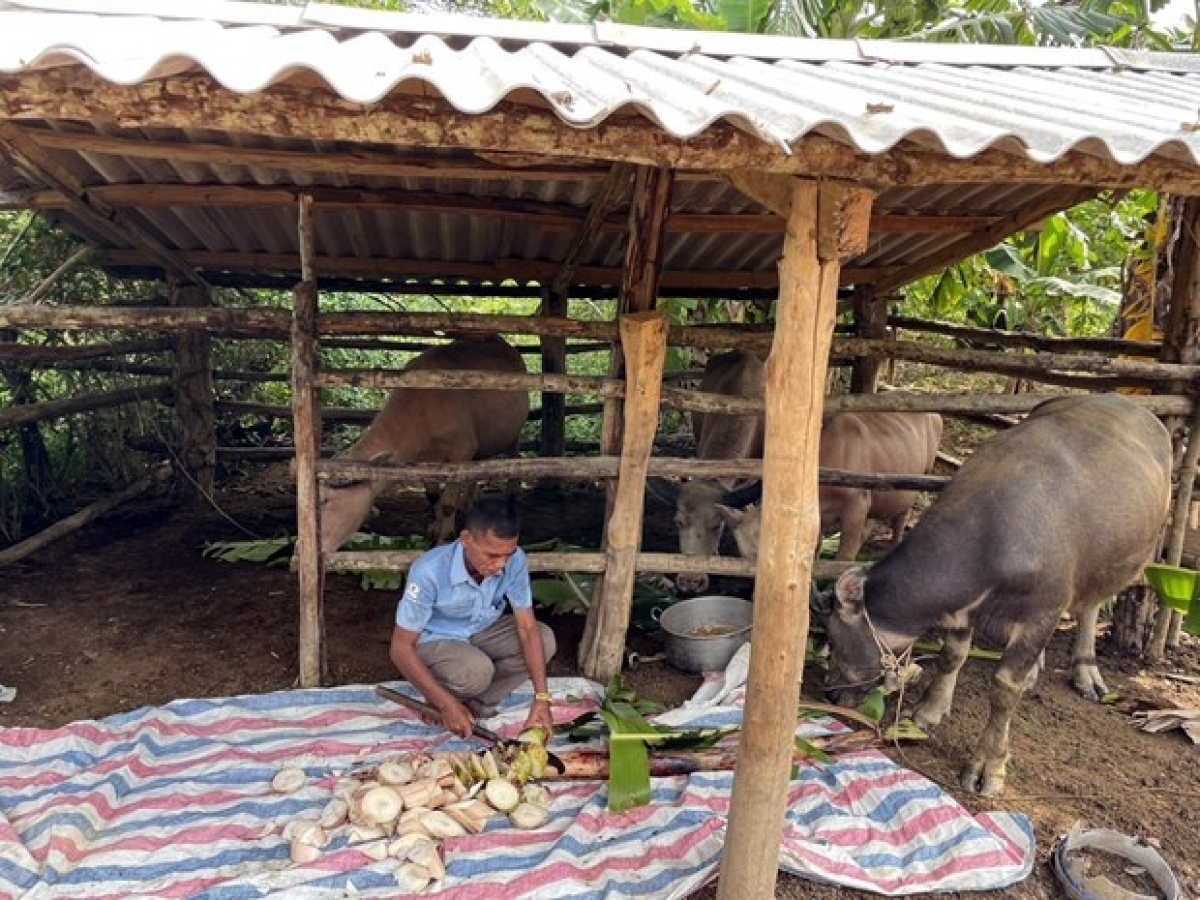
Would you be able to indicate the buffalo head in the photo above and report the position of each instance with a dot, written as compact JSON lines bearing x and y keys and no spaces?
{"x":855,"y":661}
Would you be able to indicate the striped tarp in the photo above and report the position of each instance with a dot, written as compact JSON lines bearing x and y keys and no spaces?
{"x":175,"y":802}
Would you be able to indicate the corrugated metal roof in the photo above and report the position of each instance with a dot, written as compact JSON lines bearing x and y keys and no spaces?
{"x":874,"y":95}
{"x":224,"y":197}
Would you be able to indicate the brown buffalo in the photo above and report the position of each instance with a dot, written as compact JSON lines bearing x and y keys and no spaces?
{"x":432,"y":425}
{"x":737,"y":373}
{"x":869,"y":443}
{"x":1052,"y":516}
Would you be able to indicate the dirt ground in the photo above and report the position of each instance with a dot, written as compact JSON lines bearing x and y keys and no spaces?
{"x":128,"y":612}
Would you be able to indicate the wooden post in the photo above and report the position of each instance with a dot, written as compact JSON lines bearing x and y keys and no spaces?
{"x":306,"y":418}
{"x":644,"y":342}
{"x":639,"y":293}
{"x":192,"y":378}
{"x":870,"y":321}
{"x":824,"y":224}
{"x":554,"y":360}
{"x":1181,"y":344}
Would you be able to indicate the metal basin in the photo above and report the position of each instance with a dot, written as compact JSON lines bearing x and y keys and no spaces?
{"x":703,"y":633}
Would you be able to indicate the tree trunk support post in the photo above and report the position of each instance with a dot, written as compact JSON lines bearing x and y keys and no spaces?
{"x":306,"y":417}
{"x":825,"y":224}
{"x":192,"y":379}
{"x":644,"y":344}
{"x":639,"y":293}
{"x":870,"y":321}
{"x":1181,"y":344}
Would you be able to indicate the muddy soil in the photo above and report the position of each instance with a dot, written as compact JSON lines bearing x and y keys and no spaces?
{"x":129,"y":612}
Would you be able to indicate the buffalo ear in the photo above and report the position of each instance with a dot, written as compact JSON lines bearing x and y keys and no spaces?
{"x":849,"y":589}
{"x":663,"y":490}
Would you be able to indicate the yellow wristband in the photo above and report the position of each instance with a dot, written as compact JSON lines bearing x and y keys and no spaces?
{"x":542,"y":696}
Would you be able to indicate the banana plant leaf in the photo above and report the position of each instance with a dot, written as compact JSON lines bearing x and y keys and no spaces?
{"x":278,"y":552}
{"x":630,"y":738}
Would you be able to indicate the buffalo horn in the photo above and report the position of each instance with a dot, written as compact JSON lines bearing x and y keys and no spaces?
{"x":740,"y":498}
{"x":662,"y":489}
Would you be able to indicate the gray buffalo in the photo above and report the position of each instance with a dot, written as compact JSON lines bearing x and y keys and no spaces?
{"x":1052,"y":516}
{"x":737,"y":373}
{"x":431,"y":425}
{"x":869,"y":443}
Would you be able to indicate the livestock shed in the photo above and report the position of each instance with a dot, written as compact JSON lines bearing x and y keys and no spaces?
{"x":316,"y":147}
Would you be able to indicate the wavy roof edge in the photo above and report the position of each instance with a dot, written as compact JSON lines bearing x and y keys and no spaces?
{"x":615,"y":36}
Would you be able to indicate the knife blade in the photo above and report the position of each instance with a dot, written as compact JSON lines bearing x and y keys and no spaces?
{"x":433,"y":713}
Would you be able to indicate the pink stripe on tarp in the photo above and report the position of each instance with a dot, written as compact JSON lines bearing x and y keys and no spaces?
{"x":202,"y":836}
{"x":551,"y":873}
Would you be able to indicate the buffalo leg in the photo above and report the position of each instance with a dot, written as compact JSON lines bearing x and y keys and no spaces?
{"x":853,"y":522}
{"x":934,"y":704}
{"x":898,"y":525}
{"x":453,"y":499}
{"x":985,"y":773}
{"x":1085,"y":673}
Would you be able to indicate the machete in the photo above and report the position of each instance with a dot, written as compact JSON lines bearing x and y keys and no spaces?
{"x":432,"y":713}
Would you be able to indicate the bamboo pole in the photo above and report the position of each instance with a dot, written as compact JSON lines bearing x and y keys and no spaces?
{"x":823,"y":222}
{"x":306,"y":414}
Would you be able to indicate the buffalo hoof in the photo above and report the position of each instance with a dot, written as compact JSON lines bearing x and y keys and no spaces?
{"x":1088,"y":682}
{"x":978,"y":780}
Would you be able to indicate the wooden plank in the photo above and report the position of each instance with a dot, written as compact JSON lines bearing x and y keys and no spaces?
{"x":359,"y":161}
{"x":297,"y":111}
{"x":644,"y":345}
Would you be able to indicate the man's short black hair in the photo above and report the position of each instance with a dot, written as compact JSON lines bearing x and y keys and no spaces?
{"x":495,"y":514}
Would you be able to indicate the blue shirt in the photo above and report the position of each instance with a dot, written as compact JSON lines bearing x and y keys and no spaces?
{"x":443,"y":602}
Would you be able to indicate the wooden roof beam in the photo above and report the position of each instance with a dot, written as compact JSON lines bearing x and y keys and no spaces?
{"x":302,"y":112}
{"x":551,"y":216}
{"x":1019,"y":220}
{"x":608,"y":197}
{"x":42,"y":166}
{"x":348,"y":162}
{"x":520,"y":270}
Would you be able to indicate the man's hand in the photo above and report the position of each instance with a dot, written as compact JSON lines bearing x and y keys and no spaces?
{"x":539,"y":715}
{"x":456,"y":717}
